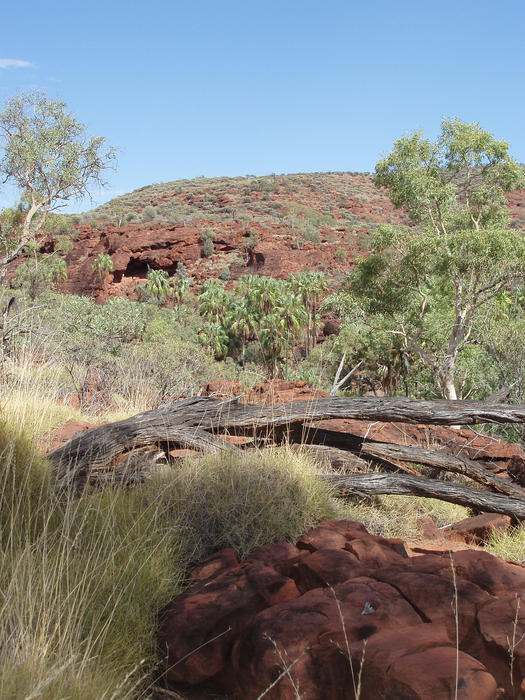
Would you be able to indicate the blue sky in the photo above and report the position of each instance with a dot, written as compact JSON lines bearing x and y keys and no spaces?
{"x":232,"y":87}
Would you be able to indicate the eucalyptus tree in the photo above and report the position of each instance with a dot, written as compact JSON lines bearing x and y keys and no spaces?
{"x":429,"y":284}
{"x":48,"y":157}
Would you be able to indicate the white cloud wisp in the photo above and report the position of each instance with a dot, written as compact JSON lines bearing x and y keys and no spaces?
{"x":14,"y":63}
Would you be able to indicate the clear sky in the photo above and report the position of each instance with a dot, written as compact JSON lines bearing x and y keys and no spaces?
{"x":231,"y":87}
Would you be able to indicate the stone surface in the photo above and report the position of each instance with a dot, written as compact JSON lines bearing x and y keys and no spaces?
{"x":326,"y":567}
{"x":432,"y":674}
{"x":60,"y":436}
{"x":478,"y":529}
{"x":198,"y":628}
{"x":286,"y":633}
{"x":435,"y":596}
{"x":516,"y":469}
{"x":213,"y":566}
{"x":502,"y":625}
{"x":309,"y":618}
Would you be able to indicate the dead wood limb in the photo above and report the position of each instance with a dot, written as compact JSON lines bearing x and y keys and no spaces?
{"x":407,"y":485}
{"x":95,"y":449}
{"x":339,"y":384}
{"x":191,"y":422}
{"x":445,"y":462}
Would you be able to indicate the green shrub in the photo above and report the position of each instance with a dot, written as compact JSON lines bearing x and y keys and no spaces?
{"x":341,"y":254}
{"x":311,"y":235}
{"x":508,"y":545}
{"x":225,"y":273}
{"x":208,"y":248}
{"x":207,"y":238}
{"x":148,"y":214}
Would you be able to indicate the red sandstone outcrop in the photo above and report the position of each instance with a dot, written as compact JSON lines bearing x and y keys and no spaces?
{"x":343,"y":605}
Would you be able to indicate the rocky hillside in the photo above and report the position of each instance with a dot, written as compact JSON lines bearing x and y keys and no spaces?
{"x":273,"y":225}
{"x":270,"y":225}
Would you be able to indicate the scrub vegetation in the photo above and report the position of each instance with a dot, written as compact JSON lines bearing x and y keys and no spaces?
{"x":434,"y":307}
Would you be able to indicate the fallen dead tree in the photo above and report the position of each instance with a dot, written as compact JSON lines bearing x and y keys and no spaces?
{"x":374,"y":484}
{"x":444,"y":461}
{"x":195,"y":423}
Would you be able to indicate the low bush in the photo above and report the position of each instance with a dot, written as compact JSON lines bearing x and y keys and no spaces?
{"x":247,"y":500}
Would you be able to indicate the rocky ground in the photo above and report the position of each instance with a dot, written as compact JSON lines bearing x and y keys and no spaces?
{"x":341,"y":608}
{"x":410,"y":619}
{"x":273,"y":226}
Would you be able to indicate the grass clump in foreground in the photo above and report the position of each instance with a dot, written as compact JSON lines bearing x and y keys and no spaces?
{"x":403,"y":516}
{"x":508,"y":545}
{"x":81,"y":580}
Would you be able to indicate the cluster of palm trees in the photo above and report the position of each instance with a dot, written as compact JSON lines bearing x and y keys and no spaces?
{"x":161,"y":286}
{"x":275,"y":314}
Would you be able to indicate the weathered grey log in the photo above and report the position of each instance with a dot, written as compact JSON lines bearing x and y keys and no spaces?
{"x":186,"y":422}
{"x":95,"y":449}
{"x":401,"y":410}
{"x":444,"y":461}
{"x":375,"y":484}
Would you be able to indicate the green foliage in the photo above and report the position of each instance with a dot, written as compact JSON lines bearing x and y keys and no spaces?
{"x":457,"y":182}
{"x":47,"y":156}
{"x":181,"y":283}
{"x":508,"y":545}
{"x":102,"y":265}
{"x":273,"y":313}
{"x":39,"y":272}
{"x":443,"y":274}
{"x":148,"y":214}
{"x":341,"y":254}
{"x":244,"y":501}
{"x":225,"y":273}
{"x":158,"y":284}
{"x":252,"y":240}
{"x":207,"y":238}
{"x":86,"y":575}
{"x":311,"y":235}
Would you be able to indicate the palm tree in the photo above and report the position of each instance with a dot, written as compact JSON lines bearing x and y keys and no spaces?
{"x":103,"y":265}
{"x":158,"y":284}
{"x":292,"y":317}
{"x":214,"y":337}
{"x":310,"y":285}
{"x":272,"y":340}
{"x":242,"y":321}
{"x":214,"y":301}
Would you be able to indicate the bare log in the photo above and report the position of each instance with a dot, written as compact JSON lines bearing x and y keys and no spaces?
{"x":445,"y":462}
{"x":406,"y":485}
{"x":95,"y":449}
{"x":189,"y":422}
{"x":402,"y":410}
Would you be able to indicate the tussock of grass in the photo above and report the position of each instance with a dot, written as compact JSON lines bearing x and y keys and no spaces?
{"x":402,"y":516}
{"x":248,"y":499}
{"x":82,"y":580}
{"x":508,"y":545}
